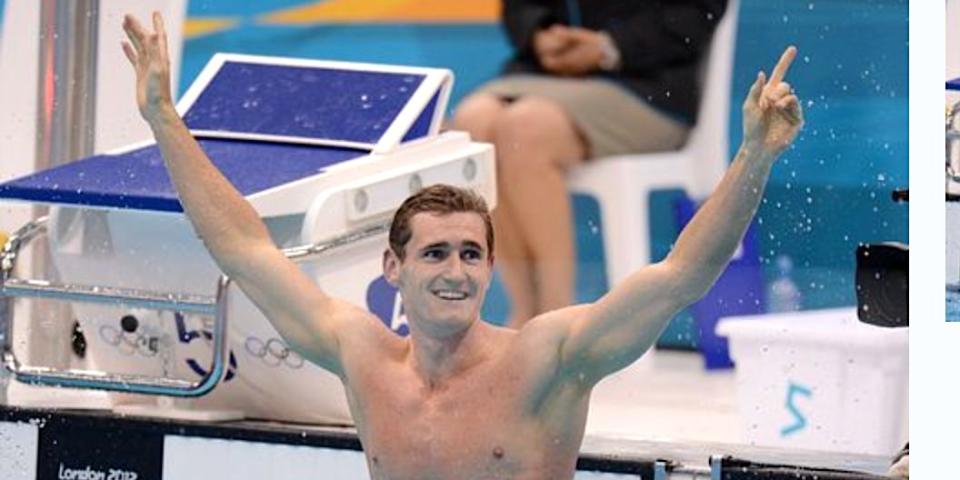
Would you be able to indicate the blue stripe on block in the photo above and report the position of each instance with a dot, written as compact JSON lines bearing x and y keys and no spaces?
{"x":138,"y":179}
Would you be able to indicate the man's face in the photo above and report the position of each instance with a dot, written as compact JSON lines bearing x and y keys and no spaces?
{"x":445,"y":273}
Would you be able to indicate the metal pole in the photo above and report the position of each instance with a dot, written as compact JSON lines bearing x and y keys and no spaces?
{"x":68,"y":60}
{"x":65,"y":132}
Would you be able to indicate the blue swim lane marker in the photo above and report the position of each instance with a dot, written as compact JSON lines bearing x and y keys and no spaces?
{"x":800,"y":421}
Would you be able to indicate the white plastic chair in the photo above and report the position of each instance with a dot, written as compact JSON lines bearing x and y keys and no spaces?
{"x":622,"y":184}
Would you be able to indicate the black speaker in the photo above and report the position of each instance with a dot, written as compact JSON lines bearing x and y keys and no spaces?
{"x":883,"y":281}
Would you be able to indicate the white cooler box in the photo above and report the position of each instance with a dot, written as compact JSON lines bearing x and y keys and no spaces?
{"x":820,"y":380}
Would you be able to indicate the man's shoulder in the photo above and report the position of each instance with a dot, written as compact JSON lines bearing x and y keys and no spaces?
{"x":550,"y":329}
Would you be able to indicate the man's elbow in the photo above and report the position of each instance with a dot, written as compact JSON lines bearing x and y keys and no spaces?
{"x":239,"y":259}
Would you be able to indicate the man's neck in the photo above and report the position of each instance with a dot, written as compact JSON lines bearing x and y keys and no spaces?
{"x":437,"y":359}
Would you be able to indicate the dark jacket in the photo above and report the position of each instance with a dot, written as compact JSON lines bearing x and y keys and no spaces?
{"x":661,"y":42}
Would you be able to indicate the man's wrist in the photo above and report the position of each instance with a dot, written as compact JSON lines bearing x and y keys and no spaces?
{"x":161,"y":115}
{"x":754,"y":152}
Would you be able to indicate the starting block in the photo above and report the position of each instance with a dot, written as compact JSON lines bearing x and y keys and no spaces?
{"x":324,"y":151}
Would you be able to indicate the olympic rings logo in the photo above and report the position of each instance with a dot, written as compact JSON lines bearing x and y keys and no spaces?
{"x":130,"y":343}
{"x":273,"y":352}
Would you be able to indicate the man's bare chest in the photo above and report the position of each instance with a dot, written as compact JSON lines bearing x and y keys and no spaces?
{"x":473,"y":424}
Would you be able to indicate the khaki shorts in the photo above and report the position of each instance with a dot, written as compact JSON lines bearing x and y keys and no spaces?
{"x":613,"y":120}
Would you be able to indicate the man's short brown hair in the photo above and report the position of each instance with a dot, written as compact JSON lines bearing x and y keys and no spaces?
{"x":440,"y":200}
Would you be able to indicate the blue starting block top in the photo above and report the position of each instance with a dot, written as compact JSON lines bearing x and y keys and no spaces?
{"x":139,"y":180}
{"x":953,"y":84}
{"x":264,"y":122}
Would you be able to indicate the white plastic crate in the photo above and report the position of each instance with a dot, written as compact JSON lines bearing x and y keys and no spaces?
{"x":820,"y":380}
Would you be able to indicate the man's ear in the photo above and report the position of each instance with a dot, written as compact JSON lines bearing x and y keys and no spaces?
{"x":391,"y":267}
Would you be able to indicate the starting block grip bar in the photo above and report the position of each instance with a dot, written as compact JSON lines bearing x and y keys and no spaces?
{"x":121,"y":296}
{"x":215,"y":306}
{"x":11,"y":287}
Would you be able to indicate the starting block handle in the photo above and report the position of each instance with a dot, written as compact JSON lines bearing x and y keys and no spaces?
{"x":12,"y":287}
{"x":216,"y":306}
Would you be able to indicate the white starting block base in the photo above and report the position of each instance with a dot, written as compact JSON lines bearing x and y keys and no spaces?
{"x":30,"y":396}
{"x":188,"y":414}
{"x":820,"y":380}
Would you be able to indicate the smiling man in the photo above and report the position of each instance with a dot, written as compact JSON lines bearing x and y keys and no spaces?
{"x":477,"y":401}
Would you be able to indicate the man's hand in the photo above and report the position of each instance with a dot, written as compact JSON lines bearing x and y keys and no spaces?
{"x":147,"y":53}
{"x":569,"y":51}
{"x":771,"y":113}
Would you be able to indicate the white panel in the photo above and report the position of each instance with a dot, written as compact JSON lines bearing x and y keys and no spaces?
{"x":953,"y":39}
{"x":19,"y":51}
{"x":18,"y":451}
{"x":118,"y":120}
{"x":193,"y":458}
{"x":603,"y":476}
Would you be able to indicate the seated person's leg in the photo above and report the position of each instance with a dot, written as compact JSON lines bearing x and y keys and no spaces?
{"x":537,"y":143}
{"x":477,"y":114}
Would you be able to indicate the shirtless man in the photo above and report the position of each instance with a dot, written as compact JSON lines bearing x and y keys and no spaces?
{"x":458,"y":397}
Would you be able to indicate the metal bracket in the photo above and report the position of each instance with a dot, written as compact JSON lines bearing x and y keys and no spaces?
{"x":12,"y":287}
{"x":215,"y":306}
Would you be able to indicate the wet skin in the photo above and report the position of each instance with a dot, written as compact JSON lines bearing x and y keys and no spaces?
{"x":458,"y":398}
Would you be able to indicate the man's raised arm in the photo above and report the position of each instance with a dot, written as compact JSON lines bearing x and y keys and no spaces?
{"x":229,"y":226}
{"x":621,"y":326}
